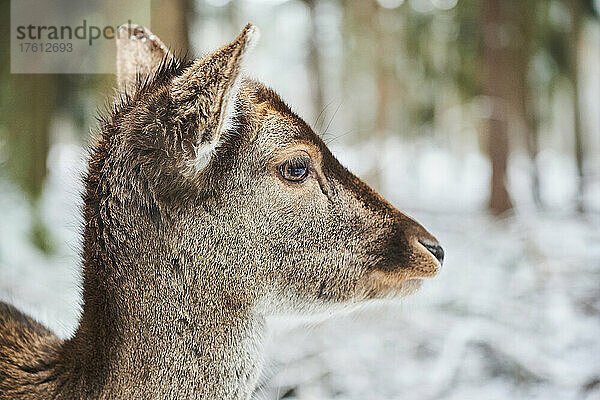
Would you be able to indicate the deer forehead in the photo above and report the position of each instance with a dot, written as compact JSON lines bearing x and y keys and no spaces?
{"x":274,"y":126}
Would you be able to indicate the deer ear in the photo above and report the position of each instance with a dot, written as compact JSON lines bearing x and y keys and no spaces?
{"x":205,"y":96}
{"x":139,"y":55}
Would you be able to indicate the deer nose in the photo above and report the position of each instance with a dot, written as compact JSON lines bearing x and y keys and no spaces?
{"x":434,"y":248}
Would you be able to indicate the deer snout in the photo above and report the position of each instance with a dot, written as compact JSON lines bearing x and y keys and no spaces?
{"x":427,"y":253}
{"x":434,"y":248}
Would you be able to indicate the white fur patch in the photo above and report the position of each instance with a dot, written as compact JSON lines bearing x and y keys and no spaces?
{"x":253,"y":36}
{"x":202,"y":155}
{"x":226,"y":123}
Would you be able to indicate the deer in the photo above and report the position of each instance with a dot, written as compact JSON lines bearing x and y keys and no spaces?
{"x":208,"y":206}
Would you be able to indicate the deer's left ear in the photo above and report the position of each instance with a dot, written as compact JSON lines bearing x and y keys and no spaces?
{"x":139,"y":55}
{"x":204,"y":97}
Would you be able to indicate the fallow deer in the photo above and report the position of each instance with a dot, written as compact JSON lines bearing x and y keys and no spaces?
{"x":208,"y":205}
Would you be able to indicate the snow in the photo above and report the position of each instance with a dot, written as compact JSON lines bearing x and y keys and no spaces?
{"x":514,"y":313}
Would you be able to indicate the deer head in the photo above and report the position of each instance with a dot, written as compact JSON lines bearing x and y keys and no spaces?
{"x":214,"y":175}
{"x":209,"y":204}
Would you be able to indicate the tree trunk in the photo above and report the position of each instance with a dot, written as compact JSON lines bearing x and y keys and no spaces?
{"x":27,"y":114}
{"x":575,"y":44}
{"x":314,"y":61}
{"x":27,"y":103}
{"x":384,"y":73}
{"x":170,"y":21}
{"x":524,"y":101}
{"x":495,"y":69}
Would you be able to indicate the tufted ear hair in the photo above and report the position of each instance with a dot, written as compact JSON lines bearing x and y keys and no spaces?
{"x":139,"y":54}
{"x":204,"y":96}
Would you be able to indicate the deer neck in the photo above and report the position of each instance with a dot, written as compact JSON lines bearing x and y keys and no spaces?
{"x":142,"y":336}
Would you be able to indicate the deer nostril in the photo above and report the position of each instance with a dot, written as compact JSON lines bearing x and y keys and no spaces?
{"x":434,"y":248}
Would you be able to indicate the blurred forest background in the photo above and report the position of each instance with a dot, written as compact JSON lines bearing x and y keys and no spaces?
{"x":479,"y":117}
{"x":515,"y":81}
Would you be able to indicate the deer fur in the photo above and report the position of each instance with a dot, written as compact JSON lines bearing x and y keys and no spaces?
{"x":193,"y":236}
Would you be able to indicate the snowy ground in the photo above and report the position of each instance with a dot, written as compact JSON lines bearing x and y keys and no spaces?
{"x":515,"y":313}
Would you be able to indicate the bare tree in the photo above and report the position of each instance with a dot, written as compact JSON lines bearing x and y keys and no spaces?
{"x":576,"y":9}
{"x":524,"y":107}
{"x":27,"y":104}
{"x":314,"y":60}
{"x":495,"y":70}
{"x":171,"y":20}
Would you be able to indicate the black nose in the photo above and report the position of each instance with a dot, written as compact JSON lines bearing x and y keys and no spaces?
{"x":435,"y":249}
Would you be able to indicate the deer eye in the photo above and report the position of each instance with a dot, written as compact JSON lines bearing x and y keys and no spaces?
{"x":294,"y":170}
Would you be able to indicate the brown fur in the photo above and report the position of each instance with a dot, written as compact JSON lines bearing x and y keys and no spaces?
{"x":192,"y":236}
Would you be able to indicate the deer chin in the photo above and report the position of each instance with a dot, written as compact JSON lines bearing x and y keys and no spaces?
{"x":392,"y":284}
{"x":402,"y":289}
